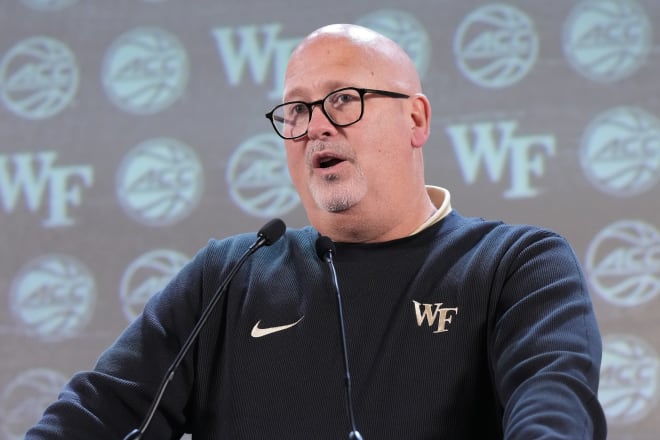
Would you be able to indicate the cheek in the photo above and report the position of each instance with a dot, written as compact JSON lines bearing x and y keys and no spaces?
{"x":295,"y":160}
{"x":386,"y":150}
{"x":386,"y":140}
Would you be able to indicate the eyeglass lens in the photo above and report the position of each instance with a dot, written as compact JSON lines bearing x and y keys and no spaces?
{"x":342,"y":107}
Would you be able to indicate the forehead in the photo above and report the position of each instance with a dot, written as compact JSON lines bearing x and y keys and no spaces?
{"x":327,"y":64}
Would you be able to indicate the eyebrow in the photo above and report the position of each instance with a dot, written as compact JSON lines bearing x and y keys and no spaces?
{"x":300,"y":91}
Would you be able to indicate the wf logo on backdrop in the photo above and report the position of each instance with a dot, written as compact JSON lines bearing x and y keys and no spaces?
{"x":495,"y":46}
{"x":483,"y":51}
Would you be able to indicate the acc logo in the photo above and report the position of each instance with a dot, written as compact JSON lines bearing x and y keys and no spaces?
{"x":406,"y":30}
{"x":629,"y":378}
{"x":145,"y":276}
{"x":48,"y":5}
{"x":258,"y":179}
{"x":159,"y":182}
{"x":53,"y":297}
{"x":623,"y":263}
{"x":620,"y":151}
{"x":25,"y":398}
{"x":496,"y":45}
{"x":145,"y":71}
{"x":607,"y":40}
{"x":38,"y":77}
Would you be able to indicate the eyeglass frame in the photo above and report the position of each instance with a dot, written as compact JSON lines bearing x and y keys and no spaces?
{"x":321,"y":104}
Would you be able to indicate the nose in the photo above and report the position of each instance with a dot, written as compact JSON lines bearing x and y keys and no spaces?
{"x":319,"y":124}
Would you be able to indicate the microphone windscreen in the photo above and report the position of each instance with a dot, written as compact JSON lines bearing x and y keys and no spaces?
{"x":323,"y":246}
{"x":272,"y":231}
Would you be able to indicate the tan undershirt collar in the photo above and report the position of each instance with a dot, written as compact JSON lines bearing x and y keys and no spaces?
{"x":441,"y":200}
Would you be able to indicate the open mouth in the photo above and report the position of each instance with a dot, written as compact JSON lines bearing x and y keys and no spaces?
{"x":326,"y":160}
{"x":329,"y":162}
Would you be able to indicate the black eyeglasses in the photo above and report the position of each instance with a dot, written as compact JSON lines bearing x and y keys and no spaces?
{"x":342,"y":107}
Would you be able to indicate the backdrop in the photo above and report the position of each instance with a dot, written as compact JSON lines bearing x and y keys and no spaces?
{"x":132,"y":131}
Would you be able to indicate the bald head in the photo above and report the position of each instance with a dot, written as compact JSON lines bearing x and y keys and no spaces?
{"x":385,"y":60}
{"x":361,"y":181}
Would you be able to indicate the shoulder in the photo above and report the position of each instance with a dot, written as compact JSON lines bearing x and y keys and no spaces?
{"x":500,"y":240}
{"x":497,"y":228}
{"x":293,"y":242}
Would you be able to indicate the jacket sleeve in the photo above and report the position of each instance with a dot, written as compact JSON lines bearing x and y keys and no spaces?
{"x":545,"y":345}
{"x":113,"y":399}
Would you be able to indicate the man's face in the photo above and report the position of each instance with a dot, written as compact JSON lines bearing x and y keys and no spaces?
{"x":336,"y":168}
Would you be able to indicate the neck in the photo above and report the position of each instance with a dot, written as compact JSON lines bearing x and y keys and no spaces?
{"x":361,"y":224}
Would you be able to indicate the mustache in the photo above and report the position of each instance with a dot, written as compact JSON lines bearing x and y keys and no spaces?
{"x":334,"y":149}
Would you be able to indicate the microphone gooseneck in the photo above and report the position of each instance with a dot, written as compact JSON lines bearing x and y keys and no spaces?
{"x":325,"y":249}
{"x":267,"y":235}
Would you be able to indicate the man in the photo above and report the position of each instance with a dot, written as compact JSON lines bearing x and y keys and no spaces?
{"x":376,"y":192}
{"x":455,"y":328}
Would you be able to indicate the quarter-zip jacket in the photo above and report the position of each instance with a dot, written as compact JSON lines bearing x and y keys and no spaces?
{"x":469,"y":329}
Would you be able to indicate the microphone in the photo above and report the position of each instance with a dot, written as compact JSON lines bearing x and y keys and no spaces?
{"x":267,"y":235}
{"x":325,"y":249}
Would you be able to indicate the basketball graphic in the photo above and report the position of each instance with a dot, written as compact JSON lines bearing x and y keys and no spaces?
{"x":258,"y":177}
{"x":25,"y":398}
{"x":38,"y":78}
{"x":145,"y":276}
{"x":620,"y":151}
{"x":496,"y":46}
{"x":160,"y":182}
{"x":145,"y":71}
{"x":406,"y":30}
{"x":607,"y":40}
{"x":629,"y":379}
{"x":53,"y":297}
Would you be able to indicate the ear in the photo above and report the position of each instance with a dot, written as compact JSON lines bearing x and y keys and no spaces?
{"x":420,"y":118}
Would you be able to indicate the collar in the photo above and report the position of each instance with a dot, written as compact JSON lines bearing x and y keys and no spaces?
{"x":440,"y":198}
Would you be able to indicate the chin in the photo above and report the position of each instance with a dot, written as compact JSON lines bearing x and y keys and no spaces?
{"x":336,"y":197}
{"x":335,"y":204}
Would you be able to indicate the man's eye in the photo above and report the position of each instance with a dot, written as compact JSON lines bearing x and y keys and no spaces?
{"x":344,"y":98}
{"x":298,"y":109}
{"x":341,"y":99}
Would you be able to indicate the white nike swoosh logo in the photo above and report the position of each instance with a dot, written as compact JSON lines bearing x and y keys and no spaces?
{"x":258,"y":332}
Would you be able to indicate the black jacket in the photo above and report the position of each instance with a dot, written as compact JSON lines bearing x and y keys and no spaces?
{"x":469,"y":329}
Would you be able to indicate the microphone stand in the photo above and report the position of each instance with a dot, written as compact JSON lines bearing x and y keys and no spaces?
{"x":268,"y":234}
{"x":325,"y":248}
